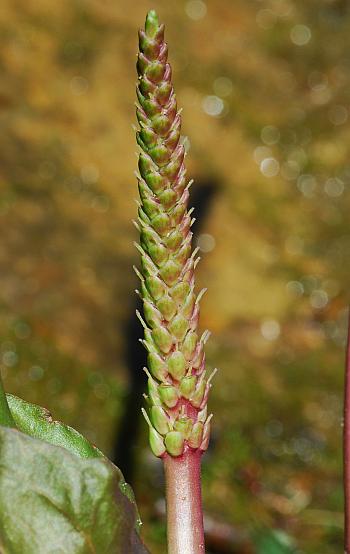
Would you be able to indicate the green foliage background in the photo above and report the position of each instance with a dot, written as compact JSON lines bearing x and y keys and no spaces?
{"x":277,"y":276}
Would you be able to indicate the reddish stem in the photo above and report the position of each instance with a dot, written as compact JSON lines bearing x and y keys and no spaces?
{"x":184,"y":503}
{"x":347,"y":448}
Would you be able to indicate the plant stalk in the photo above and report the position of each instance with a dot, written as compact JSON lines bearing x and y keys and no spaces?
{"x":346,"y":438}
{"x":184,"y":503}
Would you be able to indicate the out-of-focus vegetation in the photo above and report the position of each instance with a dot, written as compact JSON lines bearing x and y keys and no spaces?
{"x":265,"y":87}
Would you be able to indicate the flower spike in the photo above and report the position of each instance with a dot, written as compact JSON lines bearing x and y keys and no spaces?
{"x":178,"y":388}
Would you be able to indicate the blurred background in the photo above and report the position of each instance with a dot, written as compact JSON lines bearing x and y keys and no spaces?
{"x":265,"y":91}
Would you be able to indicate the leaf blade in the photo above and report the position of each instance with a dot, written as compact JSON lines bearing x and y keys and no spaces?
{"x":37,"y":422}
{"x":52,"y":501}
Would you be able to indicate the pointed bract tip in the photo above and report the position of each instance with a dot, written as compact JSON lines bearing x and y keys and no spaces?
{"x":152,"y":23}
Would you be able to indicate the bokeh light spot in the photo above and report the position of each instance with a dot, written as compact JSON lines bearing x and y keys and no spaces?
{"x":307,"y":185}
{"x":35,"y":373}
{"x":22,"y":330}
{"x":270,"y":329}
{"x":206,"y":242}
{"x":223,"y":86}
{"x":318,"y":299}
{"x":9,"y":358}
{"x":79,"y":85}
{"x":213,"y":105}
{"x":270,"y":135}
{"x":317,"y":81}
{"x":196,"y":9}
{"x":260,"y":153}
{"x":270,"y":167}
{"x":334,"y":187}
{"x":300,"y":34}
{"x":338,"y":115}
{"x":295,"y":288}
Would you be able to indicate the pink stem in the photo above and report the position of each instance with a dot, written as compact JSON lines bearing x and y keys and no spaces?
{"x":184,"y":503}
{"x":347,"y":448}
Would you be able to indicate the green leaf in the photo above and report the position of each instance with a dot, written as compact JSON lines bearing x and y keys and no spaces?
{"x":37,"y":422}
{"x":6,"y":418}
{"x":53,"y":502}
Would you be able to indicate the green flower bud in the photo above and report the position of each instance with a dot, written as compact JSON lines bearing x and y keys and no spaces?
{"x":177,"y":365}
{"x":149,"y":340}
{"x":155,"y":439}
{"x":155,"y":71}
{"x":152,"y":315}
{"x":168,"y":395}
{"x":162,"y":339}
{"x":155,"y":286}
{"x":162,"y":95}
{"x":173,"y":138}
{"x":189,"y":344}
{"x":150,"y":106}
{"x":188,"y":385}
{"x":156,"y":250}
{"x":141,"y":118}
{"x":184,"y":426}
{"x":174,"y":443}
{"x":141,"y":67}
{"x":170,"y":271}
{"x":144,"y":292}
{"x":143,"y":217}
{"x":174,"y":240}
{"x":150,"y":208}
{"x":177,"y":214}
{"x":161,"y":124}
{"x":197,"y":396}
{"x":157,"y":366}
{"x":153,"y":390}
{"x":148,"y":45}
{"x":160,"y":420}
{"x":152,"y":24}
{"x":159,"y":154}
{"x":161,"y":224}
{"x":180,"y":291}
{"x":145,"y":164}
{"x":149,"y":269}
{"x":155,"y":181}
{"x":189,"y":305}
{"x":149,"y":203}
{"x":178,"y":327}
{"x":148,"y":136}
{"x":171,"y":171}
{"x":147,"y":87}
{"x":183,"y":253}
{"x":167,"y":198}
{"x":196,"y":435}
{"x":167,"y":307}
{"x":156,"y":442}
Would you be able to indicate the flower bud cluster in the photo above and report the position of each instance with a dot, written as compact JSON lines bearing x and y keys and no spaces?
{"x":177,"y":384}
